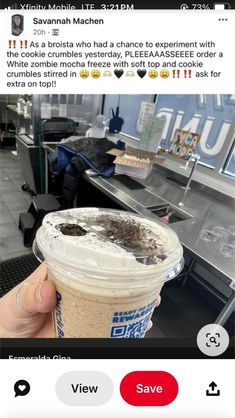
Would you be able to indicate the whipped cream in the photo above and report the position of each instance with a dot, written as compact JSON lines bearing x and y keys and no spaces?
{"x":97,"y":251}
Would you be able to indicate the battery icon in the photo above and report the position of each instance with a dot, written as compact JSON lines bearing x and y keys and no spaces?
{"x":221,"y":6}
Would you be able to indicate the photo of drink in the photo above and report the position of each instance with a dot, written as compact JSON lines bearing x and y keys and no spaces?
{"x":108,"y":268}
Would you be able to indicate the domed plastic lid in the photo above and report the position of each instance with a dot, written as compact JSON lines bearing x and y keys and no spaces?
{"x":107,"y":240}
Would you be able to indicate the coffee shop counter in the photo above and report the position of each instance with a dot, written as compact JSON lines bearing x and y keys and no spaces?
{"x":205,"y":224}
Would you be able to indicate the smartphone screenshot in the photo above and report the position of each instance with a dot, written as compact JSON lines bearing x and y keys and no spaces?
{"x":117,"y":225}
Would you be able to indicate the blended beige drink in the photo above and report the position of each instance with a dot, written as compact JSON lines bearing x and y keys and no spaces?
{"x":108,"y":267}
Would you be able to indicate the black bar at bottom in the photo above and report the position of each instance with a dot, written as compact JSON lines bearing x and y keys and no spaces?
{"x":107,"y":348}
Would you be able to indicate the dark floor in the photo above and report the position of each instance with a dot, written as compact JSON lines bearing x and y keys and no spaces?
{"x":13,"y":201}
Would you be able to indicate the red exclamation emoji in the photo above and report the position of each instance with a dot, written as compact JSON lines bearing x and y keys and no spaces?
{"x":9,"y":42}
{"x":14,"y":44}
{"x":173,"y":73}
{"x":185,"y":73}
{"x":190,"y":73}
{"x":26,"y":44}
{"x":21,"y":44}
{"x":178,"y":73}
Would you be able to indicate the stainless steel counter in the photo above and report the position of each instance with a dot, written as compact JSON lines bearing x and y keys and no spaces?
{"x":201,"y":212}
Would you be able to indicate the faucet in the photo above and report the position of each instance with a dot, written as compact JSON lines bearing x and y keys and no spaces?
{"x":194,"y":158}
{"x":188,"y":157}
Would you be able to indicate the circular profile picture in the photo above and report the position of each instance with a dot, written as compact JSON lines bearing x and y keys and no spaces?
{"x":17,"y":24}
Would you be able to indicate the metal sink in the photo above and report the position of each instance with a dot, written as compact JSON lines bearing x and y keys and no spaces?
{"x":175,"y":214}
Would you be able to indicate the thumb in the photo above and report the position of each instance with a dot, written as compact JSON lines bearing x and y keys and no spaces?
{"x":34,"y":295}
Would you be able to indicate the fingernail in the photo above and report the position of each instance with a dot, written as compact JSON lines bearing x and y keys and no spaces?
{"x":149,"y":326}
{"x":158,"y":301}
{"x":39,"y":292}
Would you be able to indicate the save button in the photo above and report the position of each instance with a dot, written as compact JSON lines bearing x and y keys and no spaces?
{"x":149,"y":388}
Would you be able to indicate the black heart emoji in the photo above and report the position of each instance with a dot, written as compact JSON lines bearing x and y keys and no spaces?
{"x":118,"y":73}
{"x":141,"y":73}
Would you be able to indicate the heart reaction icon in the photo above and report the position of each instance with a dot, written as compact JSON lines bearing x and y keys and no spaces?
{"x":21,"y":388}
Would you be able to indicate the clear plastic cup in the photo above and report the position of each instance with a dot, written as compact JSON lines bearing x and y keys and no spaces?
{"x":108,"y":267}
